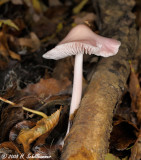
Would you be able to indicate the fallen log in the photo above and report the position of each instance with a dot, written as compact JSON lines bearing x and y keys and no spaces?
{"x":89,"y":136}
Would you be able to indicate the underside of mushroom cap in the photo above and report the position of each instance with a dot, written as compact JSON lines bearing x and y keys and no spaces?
{"x":81,"y":39}
{"x":72,"y":48}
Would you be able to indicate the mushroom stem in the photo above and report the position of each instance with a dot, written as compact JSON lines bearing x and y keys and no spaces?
{"x":77,"y":83}
{"x":77,"y":87}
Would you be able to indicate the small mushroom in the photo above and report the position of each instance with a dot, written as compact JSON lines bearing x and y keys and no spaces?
{"x":81,"y":39}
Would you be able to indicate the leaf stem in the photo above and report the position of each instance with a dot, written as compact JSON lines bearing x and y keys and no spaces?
{"x":24,"y":108}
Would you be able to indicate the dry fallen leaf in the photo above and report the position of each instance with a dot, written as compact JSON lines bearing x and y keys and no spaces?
{"x":46,"y":87}
{"x":9,"y":117}
{"x":134,"y":87}
{"x":124,"y":134}
{"x":17,"y":2}
{"x":4,"y":48}
{"x":3,"y":64}
{"x":66,"y":73}
{"x":136,"y":150}
{"x":3,"y":1}
{"x":8,"y":149}
{"x":53,"y":3}
{"x":19,"y":22}
{"x":52,"y":151}
{"x":33,"y":42}
{"x":45,"y":125}
{"x":84,"y":17}
{"x":139,"y":107}
{"x":18,"y":127}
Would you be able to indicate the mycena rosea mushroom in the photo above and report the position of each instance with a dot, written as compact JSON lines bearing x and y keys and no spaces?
{"x":81,"y":39}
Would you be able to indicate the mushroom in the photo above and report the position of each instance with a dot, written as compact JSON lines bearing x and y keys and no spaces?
{"x":81,"y":39}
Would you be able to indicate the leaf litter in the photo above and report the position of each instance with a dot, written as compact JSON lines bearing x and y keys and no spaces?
{"x":44,"y":86}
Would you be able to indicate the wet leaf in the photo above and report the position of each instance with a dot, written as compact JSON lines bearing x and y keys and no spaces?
{"x":27,"y":136}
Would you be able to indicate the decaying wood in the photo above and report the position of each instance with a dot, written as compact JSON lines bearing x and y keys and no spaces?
{"x":89,"y":135}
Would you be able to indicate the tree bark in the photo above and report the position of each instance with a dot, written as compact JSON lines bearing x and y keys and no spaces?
{"x":89,"y":135}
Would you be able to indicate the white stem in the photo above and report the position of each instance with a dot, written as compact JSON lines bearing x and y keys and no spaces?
{"x":77,"y":87}
{"x":77,"y":83}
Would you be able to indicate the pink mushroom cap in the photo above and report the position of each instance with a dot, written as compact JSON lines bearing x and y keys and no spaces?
{"x":81,"y":39}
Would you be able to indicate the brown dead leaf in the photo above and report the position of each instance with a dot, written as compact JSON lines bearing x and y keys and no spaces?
{"x":17,"y":2}
{"x":67,"y":64}
{"x":30,"y":101}
{"x":27,"y":136}
{"x":124,"y":134}
{"x":10,"y":91}
{"x":57,"y":132}
{"x":18,"y":127}
{"x":134,"y":87}
{"x":9,"y":117}
{"x":8,"y":149}
{"x":35,"y":9}
{"x":4,"y":48}
{"x":83,"y":17}
{"x":3,"y":1}
{"x":138,"y":13}
{"x":3,"y":64}
{"x":53,"y":3}
{"x":47,"y":87}
{"x":19,"y":22}
{"x":139,"y":107}
{"x":44,"y":27}
{"x":52,"y":151}
{"x":33,"y":42}
{"x":136,"y":150}
{"x":55,"y":100}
